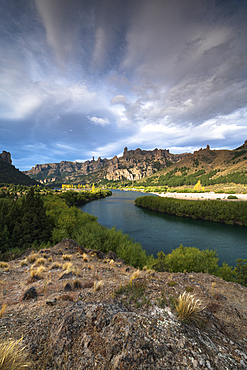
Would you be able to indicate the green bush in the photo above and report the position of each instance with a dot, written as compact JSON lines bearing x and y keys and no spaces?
{"x":189,"y":259}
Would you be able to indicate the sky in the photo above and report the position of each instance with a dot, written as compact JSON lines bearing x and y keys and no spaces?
{"x":84,"y":78}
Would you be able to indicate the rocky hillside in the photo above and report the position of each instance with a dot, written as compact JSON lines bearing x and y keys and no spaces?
{"x":133,"y":165}
{"x":210,"y":166}
{"x":81,"y":309}
{"x":11,"y":175}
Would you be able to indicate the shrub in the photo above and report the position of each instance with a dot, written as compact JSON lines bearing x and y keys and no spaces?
{"x":241,"y":271}
{"x":13,"y":356}
{"x":187,"y":259}
{"x":188,"y":308}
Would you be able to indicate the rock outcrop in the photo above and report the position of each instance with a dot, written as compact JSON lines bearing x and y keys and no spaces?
{"x":6,"y":157}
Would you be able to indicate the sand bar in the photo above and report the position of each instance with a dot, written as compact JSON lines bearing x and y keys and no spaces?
{"x":203,"y":196}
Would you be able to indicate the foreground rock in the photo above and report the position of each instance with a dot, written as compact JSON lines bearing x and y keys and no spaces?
{"x":112,"y":328}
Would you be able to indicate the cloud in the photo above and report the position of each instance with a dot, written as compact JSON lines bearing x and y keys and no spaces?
{"x":119,"y":99}
{"x":93,"y":77}
{"x":60,"y":19}
{"x":99,"y":121}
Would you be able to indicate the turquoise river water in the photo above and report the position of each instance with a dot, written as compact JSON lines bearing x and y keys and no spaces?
{"x":159,"y":232}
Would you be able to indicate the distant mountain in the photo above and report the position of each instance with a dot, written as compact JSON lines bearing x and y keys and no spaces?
{"x":144,"y":165}
{"x":133,"y":165}
{"x":10,"y":175}
{"x":209,"y":166}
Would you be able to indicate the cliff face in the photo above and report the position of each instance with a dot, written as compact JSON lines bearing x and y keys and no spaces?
{"x":6,"y":157}
{"x":133,"y":165}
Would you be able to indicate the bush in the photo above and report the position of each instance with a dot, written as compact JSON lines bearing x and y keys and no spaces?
{"x":189,"y":259}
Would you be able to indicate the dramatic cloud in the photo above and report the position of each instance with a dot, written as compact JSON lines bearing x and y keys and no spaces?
{"x":87,"y":78}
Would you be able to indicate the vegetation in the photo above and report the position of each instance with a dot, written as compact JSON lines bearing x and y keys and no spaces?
{"x":44,"y":220}
{"x":10,"y":175}
{"x":191,"y":259}
{"x":189,"y":308}
{"x":211,"y":210}
{"x":13,"y":356}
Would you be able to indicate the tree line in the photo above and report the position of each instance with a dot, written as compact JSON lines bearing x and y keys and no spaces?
{"x":210,"y":210}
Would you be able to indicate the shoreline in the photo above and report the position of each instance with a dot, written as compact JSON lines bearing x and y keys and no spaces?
{"x":202,"y":196}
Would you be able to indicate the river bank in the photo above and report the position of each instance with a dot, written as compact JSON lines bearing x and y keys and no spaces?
{"x":203,"y":196}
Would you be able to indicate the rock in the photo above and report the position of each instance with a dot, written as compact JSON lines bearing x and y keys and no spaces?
{"x":31,"y":293}
{"x":51,"y":302}
{"x":68,"y":287}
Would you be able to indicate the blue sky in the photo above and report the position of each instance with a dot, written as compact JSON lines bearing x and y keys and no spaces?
{"x":85,"y":78}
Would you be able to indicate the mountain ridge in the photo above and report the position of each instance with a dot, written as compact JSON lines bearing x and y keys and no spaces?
{"x":143,"y":165}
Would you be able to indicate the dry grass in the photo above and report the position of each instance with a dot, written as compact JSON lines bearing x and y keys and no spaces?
{"x":40,"y":261}
{"x":67,"y":266}
{"x":85,"y":257}
{"x":188,"y":308}
{"x":32,"y":258}
{"x":50,"y":259}
{"x":67,"y":257}
{"x":135,"y":275}
{"x":24,"y":263}
{"x":4,"y":265}
{"x":77,"y":284}
{"x":56,"y":265}
{"x":13,"y":356}
{"x":112,"y":263}
{"x":3,"y":309}
{"x":36,"y":273}
{"x":98,"y":285}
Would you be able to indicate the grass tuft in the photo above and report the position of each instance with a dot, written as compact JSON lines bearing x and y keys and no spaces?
{"x":67,"y":266}
{"x":4,"y":265}
{"x":67,"y":257}
{"x":85,"y":257}
{"x":135,"y":275}
{"x":56,"y":265}
{"x":40,"y":261}
{"x":98,"y":285}
{"x":32,"y":258}
{"x":188,"y":308}
{"x":13,"y":356}
{"x":24,"y":262}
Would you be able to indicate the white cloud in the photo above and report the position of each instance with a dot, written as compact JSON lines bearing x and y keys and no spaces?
{"x":99,"y":121}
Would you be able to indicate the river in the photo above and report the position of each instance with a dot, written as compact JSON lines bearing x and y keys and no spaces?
{"x":159,"y":232}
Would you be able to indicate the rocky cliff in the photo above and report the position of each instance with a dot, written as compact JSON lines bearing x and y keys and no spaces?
{"x":133,"y":165}
{"x":6,"y":157}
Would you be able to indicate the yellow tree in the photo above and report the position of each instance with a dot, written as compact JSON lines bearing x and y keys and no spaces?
{"x":93,"y":188}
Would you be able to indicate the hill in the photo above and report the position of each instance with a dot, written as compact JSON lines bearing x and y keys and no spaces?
{"x":87,"y":310}
{"x":209,"y":166}
{"x":11,"y":175}
{"x":157,"y":167}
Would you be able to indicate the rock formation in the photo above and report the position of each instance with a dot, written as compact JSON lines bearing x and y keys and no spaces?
{"x":6,"y":157}
{"x":133,"y":165}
